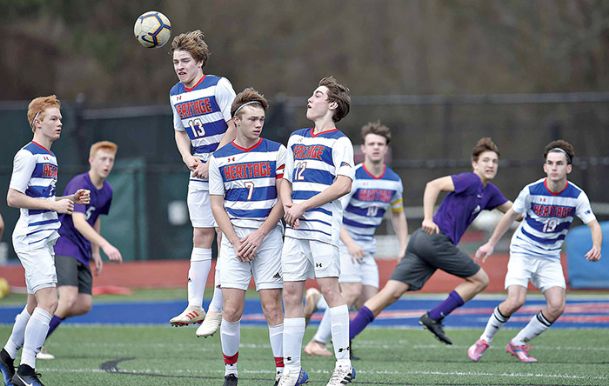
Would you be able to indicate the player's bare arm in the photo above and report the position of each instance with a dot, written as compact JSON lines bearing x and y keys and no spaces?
{"x":504,"y":224}
{"x":95,"y":255}
{"x":221,"y":217}
{"x":16,"y":199}
{"x":432,"y":191}
{"x":340,"y":187}
{"x":594,"y":254}
{"x":183,"y":144}
{"x":81,"y":196}
{"x":400,"y":226}
{"x":285,"y":195}
{"x":355,"y":250}
{"x":83,"y":227}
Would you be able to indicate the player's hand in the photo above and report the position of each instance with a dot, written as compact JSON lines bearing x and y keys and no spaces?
{"x":63,"y":206}
{"x":113,"y":253}
{"x":594,"y":254}
{"x":430,"y":227}
{"x":82,"y":196}
{"x":357,"y":253}
{"x":293,"y":213}
{"x":250,"y":244}
{"x":99,"y":263}
{"x":191,"y":162}
{"x":484,"y":252}
{"x":202,"y":170}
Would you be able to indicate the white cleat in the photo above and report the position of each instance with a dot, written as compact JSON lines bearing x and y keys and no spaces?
{"x":210,"y":325}
{"x":192,"y":314}
{"x":44,"y":354}
{"x":342,"y":375}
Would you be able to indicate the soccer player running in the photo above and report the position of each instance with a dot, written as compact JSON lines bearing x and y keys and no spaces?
{"x":243,"y":179}
{"x":32,"y":189}
{"x":376,"y":189}
{"x":201,"y":106}
{"x":319,"y":170}
{"x":80,"y":238}
{"x":548,"y":206}
{"x":434,"y":245}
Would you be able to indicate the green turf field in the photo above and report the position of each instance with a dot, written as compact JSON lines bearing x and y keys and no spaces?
{"x":157,"y":355}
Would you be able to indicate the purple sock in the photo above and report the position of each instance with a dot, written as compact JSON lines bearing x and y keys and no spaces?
{"x":452,"y":302}
{"x":360,"y":321}
{"x":54,"y":323}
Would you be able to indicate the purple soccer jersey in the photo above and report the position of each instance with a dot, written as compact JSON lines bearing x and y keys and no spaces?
{"x":461,"y":207}
{"x":71,"y":242}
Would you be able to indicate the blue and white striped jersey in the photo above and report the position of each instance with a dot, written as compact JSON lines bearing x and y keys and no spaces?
{"x":367,"y":203}
{"x":548,"y":217}
{"x":35,"y":175}
{"x":312,"y":164}
{"x":247,"y":180}
{"x":203,"y":112}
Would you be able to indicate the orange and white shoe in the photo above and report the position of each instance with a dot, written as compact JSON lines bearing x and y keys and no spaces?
{"x":317,"y":349}
{"x":210,"y":325}
{"x":191,"y":315}
{"x":312,"y":296}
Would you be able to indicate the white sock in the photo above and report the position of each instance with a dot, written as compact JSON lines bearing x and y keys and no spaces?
{"x":35,"y":335}
{"x":15,"y":341}
{"x":324,"y":331}
{"x":495,"y":322}
{"x":535,"y":327}
{"x":321,"y":304}
{"x":200,"y":264}
{"x":293,"y":332}
{"x":340,"y":333}
{"x":276,"y":339}
{"x":216,"y":301}
{"x":230,"y":337}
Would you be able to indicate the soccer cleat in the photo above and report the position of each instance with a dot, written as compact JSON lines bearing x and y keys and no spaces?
{"x":44,"y":354}
{"x":476,"y":350}
{"x":230,"y":380}
{"x":342,"y":375}
{"x":26,"y":376}
{"x":520,"y":352}
{"x":312,"y":296}
{"x":291,"y":377}
{"x":192,"y":314}
{"x":7,"y":367}
{"x":435,"y":328}
{"x":278,"y":375}
{"x":317,"y":349}
{"x":210,"y":325}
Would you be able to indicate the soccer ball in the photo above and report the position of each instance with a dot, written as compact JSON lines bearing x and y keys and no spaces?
{"x":152,"y":29}
{"x":5,"y":288}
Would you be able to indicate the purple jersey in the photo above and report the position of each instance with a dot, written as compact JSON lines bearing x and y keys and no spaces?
{"x":71,"y":242}
{"x":462,"y":206}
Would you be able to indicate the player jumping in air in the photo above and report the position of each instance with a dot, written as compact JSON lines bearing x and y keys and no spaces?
{"x":243,"y":179}
{"x":434,"y":245}
{"x":32,"y":189}
{"x":201,"y":113}
{"x":376,"y":189}
{"x":319,"y":170}
{"x":549,"y":206}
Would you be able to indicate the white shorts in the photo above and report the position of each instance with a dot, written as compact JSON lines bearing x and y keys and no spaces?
{"x":303,"y":259}
{"x":39,"y":266}
{"x":265,"y":268}
{"x":199,"y":208}
{"x":366,"y":272}
{"x":543,"y":273}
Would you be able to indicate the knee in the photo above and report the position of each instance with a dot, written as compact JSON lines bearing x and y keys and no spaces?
{"x":330,"y":292}
{"x":511,"y":305}
{"x":203,"y":237}
{"x":273,"y":312}
{"x":231,"y":313}
{"x":481,"y":280}
{"x":48,"y":304}
{"x":555,"y":309}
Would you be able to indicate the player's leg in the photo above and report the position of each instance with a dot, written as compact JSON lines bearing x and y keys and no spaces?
{"x":273,"y":312}
{"x":296,"y":267}
{"x":230,"y":329}
{"x":15,"y":340}
{"x":213,"y":317}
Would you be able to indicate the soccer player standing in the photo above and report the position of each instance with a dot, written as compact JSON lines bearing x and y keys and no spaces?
{"x":243,"y":179}
{"x":376,"y":189}
{"x":434,"y":245}
{"x":319,"y":170}
{"x":80,"y":238}
{"x":201,"y":106}
{"x":549,"y":206}
{"x":32,"y":189}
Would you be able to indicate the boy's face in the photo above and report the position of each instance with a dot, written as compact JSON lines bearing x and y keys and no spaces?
{"x":318,"y":104}
{"x":186,"y":67}
{"x":487,"y":164}
{"x":102,"y":162}
{"x":374,"y":148}
{"x":49,"y":123}
{"x":250,"y":122}
{"x":556,"y":166}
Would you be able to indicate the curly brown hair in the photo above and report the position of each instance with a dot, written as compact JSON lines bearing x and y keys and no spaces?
{"x":484,"y":144}
{"x":194,"y":43}
{"x":561,"y":146}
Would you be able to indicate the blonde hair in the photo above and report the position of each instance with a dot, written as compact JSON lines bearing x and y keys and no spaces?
{"x":105,"y":145}
{"x":37,"y":106}
{"x":193,"y":43}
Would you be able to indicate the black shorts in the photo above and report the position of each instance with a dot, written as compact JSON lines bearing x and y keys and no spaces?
{"x":425,"y":254}
{"x":74,"y":273}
